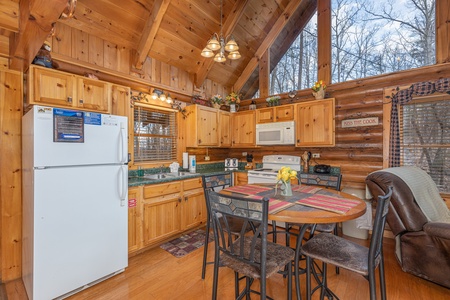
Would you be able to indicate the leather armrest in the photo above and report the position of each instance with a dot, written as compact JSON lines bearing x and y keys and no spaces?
{"x":439,"y":230}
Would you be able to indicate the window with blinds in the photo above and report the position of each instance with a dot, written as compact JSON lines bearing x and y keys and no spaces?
{"x":155,"y":134}
{"x":425,"y":137}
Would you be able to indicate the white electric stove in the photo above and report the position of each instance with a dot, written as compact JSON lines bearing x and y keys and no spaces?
{"x":271,"y":165}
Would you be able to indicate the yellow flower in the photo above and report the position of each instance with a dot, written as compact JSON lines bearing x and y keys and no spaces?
{"x":285,"y":174}
{"x":319,"y":85}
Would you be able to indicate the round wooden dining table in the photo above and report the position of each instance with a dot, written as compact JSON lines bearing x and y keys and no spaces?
{"x":307,"y":217}
{"x":304,"y":216}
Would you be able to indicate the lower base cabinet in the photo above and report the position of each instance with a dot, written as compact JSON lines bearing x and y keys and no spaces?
{"x":240,"y":178}
{"x":134,"y":219}
{"x":163,"y":210}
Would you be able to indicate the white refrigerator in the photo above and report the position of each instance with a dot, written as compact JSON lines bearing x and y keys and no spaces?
{"x":75,"y":190}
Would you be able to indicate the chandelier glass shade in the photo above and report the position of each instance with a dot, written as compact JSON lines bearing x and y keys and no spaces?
{"x":221,"y":44}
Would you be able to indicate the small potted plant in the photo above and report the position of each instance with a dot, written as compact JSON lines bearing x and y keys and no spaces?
{"x":216,"y":101}
{"x":273,"y":101}
{"x":319,"y":90}
{"x":233,"y":100}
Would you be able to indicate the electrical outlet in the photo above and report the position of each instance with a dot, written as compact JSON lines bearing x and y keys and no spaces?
{"x":207,"y":158}
{"x":244,"y":153}
{"x":316,"y":155}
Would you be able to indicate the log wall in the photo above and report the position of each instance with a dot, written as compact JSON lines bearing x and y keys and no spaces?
{"x":358,"y":150}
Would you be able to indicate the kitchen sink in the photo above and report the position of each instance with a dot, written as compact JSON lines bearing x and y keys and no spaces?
{"x":165,"y":175}
{"x":155,"y":176}
{"x":180,"y":173}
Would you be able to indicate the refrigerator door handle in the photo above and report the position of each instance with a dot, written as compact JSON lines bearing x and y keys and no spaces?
{"x":123,"y":144}
{"x":123,"y":185}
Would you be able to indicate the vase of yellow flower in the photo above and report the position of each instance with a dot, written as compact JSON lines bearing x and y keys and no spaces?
{"x":233,"y":100}
{"x":284,"y":176}
{"x":319,"y":90}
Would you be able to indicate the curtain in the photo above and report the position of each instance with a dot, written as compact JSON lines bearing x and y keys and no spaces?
{"x":403,"y":97}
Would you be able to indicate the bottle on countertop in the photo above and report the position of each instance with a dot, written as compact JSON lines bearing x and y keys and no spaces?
{"x":192,"y":164}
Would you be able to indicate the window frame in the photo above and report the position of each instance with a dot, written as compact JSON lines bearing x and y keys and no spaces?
{"x":387,"y":106}
{"x":173,"y":135}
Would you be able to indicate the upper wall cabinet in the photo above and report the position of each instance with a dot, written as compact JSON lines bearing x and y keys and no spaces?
{"x":51,"y":87}
{"x":224,"y":128}
{"x":315,"y":123}
{"x":202,"y":124}
{"x":243,"y":129}
{"x":275,"y":114}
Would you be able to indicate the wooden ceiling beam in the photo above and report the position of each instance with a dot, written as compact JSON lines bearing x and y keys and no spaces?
{"x":150,"y":30}
{"x":324,"y":40}
{"x":282,"y":44}
{"x":268,"y":41}
{"x":228,"y":27}
{"x":36,"y":20}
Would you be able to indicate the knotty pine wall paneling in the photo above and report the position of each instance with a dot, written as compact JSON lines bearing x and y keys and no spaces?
{"x":69,"y":43}
{"x":10,"y":175}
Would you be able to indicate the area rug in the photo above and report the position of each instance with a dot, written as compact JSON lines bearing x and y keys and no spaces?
{"x":186,"y":243}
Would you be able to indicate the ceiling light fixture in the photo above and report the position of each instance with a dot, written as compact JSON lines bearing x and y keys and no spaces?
{"x":218,"y":42}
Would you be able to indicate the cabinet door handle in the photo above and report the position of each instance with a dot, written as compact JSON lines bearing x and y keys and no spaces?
{"x":81,"y":101}
{"x":186,"y":198}
{"x":69,"y":99}
{"x":179,"y":199}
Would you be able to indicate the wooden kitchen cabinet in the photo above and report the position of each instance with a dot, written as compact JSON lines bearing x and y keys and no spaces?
{"x":194,"y":204}
{"x":240,"y":178}
{"x":47,"y":86}
{"x":171,"y":208}
{"x":202,"y":124}
{"x":93,"y":94}
{"x":284,"y":113}
{"x":121,"y":106}
{"x":224,"y":129}
{"x":134,"y":218}
{"x":243,"y":129}
{"x":315,"y":122}
{"x":55,"y":88}
{"x":161,"y":211}
{"x":275,"y":114}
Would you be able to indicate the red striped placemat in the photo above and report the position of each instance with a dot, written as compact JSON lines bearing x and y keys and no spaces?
{"x":247,"y":189}
{"x":275,"y":205}
{"x":306,"y":189}
{"x":334,"y":204}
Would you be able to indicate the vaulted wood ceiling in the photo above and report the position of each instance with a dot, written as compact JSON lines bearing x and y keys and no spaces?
{"x":176,"y":31}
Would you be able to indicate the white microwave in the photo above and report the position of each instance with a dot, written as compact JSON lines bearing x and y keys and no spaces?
{"x":277,"y":133}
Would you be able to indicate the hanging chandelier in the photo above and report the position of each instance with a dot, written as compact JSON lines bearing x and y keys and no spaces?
{"x":221,"y":44}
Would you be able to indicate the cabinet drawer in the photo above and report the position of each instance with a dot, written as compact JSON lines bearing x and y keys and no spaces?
{"x":156,"y":190}
{"x":193,"y":183}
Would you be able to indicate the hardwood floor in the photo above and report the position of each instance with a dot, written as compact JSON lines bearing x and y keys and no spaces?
{"x":156,"y":274}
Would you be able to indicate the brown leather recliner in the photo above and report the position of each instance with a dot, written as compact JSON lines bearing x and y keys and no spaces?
{"x":422,"y":247}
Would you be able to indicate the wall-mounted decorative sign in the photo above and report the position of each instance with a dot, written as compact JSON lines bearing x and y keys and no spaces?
{"x":360,"y":122}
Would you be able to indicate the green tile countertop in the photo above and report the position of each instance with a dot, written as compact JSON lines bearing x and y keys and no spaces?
{"x":203,"y":169}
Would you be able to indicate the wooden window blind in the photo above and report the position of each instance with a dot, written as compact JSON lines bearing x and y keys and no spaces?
{"x":155,"y":134}
{"x":425,"y":137}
